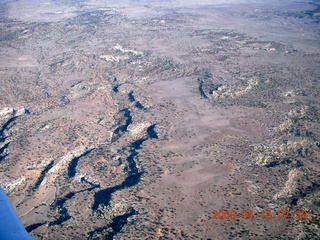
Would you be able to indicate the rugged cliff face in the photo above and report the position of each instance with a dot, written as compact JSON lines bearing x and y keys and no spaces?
{"x":138,"y":119}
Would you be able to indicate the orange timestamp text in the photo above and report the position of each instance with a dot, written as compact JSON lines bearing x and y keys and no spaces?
{"x":265,"y":214}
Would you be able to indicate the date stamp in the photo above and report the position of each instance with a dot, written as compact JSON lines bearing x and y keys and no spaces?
{"x":265,"y":214}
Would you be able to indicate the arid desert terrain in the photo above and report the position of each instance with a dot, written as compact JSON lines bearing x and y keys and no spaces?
{"x":161,"y":119}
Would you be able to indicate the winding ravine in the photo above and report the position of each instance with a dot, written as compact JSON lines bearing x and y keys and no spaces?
{"x":119,"y":131}
{"x":133,"y":178}
{"x":73,"y":164}
{"x":63,"y":211}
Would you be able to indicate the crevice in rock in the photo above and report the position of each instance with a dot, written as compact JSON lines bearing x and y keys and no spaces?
{"x":139,"y":105}
{"x":131,"y":97}
{"x":118,"y":223}
{"x":43,"y":175}
{"x":74,"y":162}
{"x":63,"y":211}
{"x":6,"y":126}
{"x":32,"y":227}
{"x":122,"y":128}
